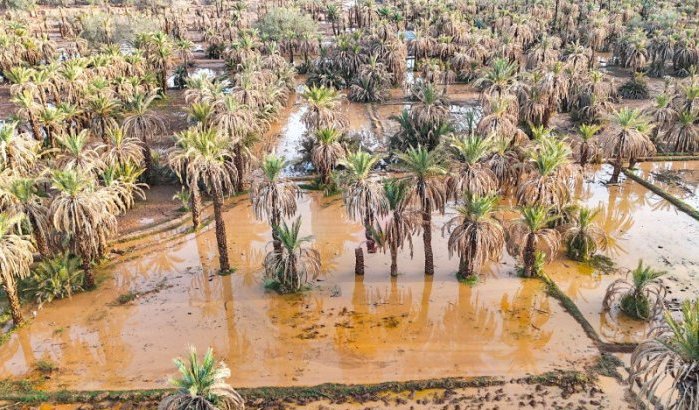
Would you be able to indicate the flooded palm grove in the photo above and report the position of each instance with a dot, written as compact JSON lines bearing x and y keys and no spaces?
{"x":349,"y":205}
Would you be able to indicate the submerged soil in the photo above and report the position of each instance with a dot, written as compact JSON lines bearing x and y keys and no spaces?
{"x":679,"y":178}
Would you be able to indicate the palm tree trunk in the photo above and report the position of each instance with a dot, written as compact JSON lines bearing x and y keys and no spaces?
{"x":239,"y":167}
{"x":394,"y":259}
{"x":617,"y":170}
{"x":359,"y":261}
{"x":220,"y":231}
{"x":15,"y":308}
{"x":529,"y":257}
{"x":275,"y":220}
{"x":147,"y":159}
{"x":583,"y":155}
{"x":195,"y":206}
{"x":35,"y":127}
{"x":427,"y":240}
{"x":463,"y":267}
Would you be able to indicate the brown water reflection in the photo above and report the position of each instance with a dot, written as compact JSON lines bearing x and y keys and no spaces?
{"x":641,"y":225}
{"x":346,"y":329}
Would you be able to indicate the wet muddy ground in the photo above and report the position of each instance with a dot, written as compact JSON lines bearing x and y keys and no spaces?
{"x":679,"y":178}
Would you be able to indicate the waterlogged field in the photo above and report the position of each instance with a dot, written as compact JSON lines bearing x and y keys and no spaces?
{"x":163,"y":294}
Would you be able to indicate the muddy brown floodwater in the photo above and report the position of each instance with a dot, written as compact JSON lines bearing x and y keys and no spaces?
{"x":346,"y":330}
{"x":679,"y":178}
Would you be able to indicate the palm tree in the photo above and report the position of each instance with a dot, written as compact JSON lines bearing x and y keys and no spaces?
{"x":327,"y":152}
{"x":529,"y":236}
{"x":665,"y":366}
{"x":474,"y":234}
{"x":203,"y":157}
{"x":292,"y":267}
{"x":630,"y":142}
{"x":20,"y":196}
{"x":468,"y":154}
{"x":202,"y":385}
{"x":18,"y":153}
{"x":143,"y":123}
{"x":401,"y":225}
{"x":236,"y":121}
{"x":16,"y":256}
{"x":583,"y":236}
{"x":424,"y":177}
{"x":642,"y":297}
{"x":587,"y":147}
{"x":362,"y":194}
{"x":683,"y":135}
{"x":498,"y":78}
{"x":102,"y":110}
{"x":28,"y":109}
{"x":550,"y":169}
{"x":84,"y":212}
{"x":120,"y":149}
{"x":159,"y":51}
{"x":323,"y":103}
{"x":272,"y":195}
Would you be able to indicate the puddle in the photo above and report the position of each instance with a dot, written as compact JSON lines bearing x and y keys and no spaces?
{"x":679,"y":178}
{"x":641,"y":225}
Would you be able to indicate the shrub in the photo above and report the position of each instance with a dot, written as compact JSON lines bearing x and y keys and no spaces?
{"x":55,"y":278}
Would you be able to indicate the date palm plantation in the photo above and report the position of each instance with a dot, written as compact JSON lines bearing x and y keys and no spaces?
{"x":147,"y":144}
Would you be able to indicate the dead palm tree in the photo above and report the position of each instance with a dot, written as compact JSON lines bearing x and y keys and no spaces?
{"x":424,"y":171}
{"x":327,"y":152}
{"x":530,"y":240}
{"x":84,"y":212}
{"x":203,"y":157}
{"x":630,"y":142}
{"x":16,"y":257}
{"x":273,"y":196}
{"x":474,"y":234}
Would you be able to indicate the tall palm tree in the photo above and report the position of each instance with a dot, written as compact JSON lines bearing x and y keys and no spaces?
{"x":102,"y":111}
{"x":16,"y":256}
{"x":202,"y":385}
{"x":327,"y":152}
{"x":474,"y":234}
{"x":159,"y":51}
{"x":630,"y":142}
{"x":530,"y":236}
{"x":295,"y":264}
{"x":427,"y":191}
{"x":29,"y":109}
{"x":272,"y":195}
{"x":142,"y":123}
{"x":361,"y":194}
{"x":203,"y":157}
{"x":236,"y":121}
{"x":83,"y":211}
{"x":402,"y":223}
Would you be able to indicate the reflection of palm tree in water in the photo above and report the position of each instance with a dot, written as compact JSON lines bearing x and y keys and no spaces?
{"x":331,"y":230}
{"x":247,"y":242}
{"x":617,"y":328}
{"x":524,"y":316}
{"x":238,"y":346}
{"x":584,"y":277}
{"x":469,"y":323}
